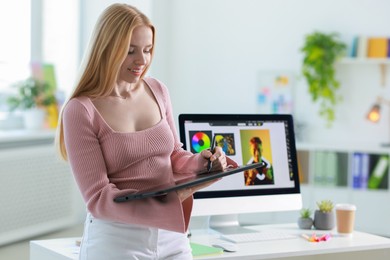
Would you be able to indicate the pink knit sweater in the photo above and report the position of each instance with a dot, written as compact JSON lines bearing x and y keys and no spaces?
{"x":107,"y":164}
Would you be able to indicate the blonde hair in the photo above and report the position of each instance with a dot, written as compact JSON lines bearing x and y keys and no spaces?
{"x":106,"y":52}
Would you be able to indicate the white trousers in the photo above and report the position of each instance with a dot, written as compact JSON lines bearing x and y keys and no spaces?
{"x":107,"y":240}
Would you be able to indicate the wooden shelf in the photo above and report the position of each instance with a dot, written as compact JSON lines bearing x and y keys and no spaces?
{"x":381,"y":62}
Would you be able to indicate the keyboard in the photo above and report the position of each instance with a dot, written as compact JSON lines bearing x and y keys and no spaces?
{"x":257,"y":236}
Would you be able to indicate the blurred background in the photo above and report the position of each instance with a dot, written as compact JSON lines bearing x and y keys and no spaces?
{"x":215,"y":56}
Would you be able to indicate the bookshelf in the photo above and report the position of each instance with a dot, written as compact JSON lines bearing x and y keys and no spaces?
{"x":348,"y":173}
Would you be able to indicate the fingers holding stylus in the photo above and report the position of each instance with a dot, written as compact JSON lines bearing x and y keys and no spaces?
{"x":216,"y":158}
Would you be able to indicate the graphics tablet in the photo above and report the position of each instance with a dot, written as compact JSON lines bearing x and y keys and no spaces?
{"x":190,"y":182}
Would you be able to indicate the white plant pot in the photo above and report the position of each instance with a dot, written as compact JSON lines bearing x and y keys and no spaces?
{"x":34,"y":118}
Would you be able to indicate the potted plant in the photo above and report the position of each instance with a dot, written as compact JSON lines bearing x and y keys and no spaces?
{"x":305,"y":221}
{"x":321,"y":51}
{"x":324,"y":216}
{"x":33,"y":98}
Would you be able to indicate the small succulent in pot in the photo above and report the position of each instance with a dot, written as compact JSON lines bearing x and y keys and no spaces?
{"x":305,"y":221}
{"x":324,"y":216}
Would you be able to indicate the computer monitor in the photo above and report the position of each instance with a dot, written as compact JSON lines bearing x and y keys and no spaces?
{"x":245,"y":138}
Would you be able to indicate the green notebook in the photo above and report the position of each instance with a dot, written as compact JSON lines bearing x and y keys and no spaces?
{"x":202,"y":250}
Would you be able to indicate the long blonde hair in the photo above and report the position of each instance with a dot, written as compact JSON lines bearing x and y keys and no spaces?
{"x":106,"y":52}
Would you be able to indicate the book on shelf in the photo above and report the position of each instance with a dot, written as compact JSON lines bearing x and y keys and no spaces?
{"x":302,"y":176}
{"x":331,"y":169}
{"x":361,"y":50}
{"x":354,"y":46}
{"x":388,"y":48}
{"x":360,"y":170}
{"x":364,"y":172}
{"x":377,"y":47}
{"x":319,"y":165}
{"x":378,"y":173}
{"x":326,"y":168}
{"x":356,"y":166}
{"x":369,"y":47}
{"x":342,"y":169}
{"x":369,"y":170}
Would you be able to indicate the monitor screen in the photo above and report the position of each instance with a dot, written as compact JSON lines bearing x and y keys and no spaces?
{"x":246,"y":139}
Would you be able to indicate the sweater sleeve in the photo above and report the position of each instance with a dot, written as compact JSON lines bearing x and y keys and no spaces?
{"x":84,"y":153}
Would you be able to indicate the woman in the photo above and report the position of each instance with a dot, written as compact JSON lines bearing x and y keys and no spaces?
{"x":118,"y":133}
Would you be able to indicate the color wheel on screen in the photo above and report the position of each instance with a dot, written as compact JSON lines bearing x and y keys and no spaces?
{"x":200,"y":141}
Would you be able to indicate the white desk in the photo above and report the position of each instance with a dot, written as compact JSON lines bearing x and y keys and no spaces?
{"x":359,"y":246}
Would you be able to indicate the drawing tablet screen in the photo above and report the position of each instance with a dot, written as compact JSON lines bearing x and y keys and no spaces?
{"x":189,"y":182}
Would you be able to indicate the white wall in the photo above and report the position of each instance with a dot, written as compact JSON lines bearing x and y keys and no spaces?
{"x":212,"y":51}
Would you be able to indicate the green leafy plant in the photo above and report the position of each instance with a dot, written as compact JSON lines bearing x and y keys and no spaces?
{"x":305,"y":213}
{"x":321,"y":51}
{"x":32,"y":93}
{"x":325,"y":206}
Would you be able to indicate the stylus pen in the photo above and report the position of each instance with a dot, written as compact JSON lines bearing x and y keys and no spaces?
{"x":210,"y":163}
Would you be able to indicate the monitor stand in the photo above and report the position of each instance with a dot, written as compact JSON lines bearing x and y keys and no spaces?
{"x":227,"y":224}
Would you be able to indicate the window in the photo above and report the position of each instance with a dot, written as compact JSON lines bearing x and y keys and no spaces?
{"x":43,"y":31}
{"x":15,"y":46}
